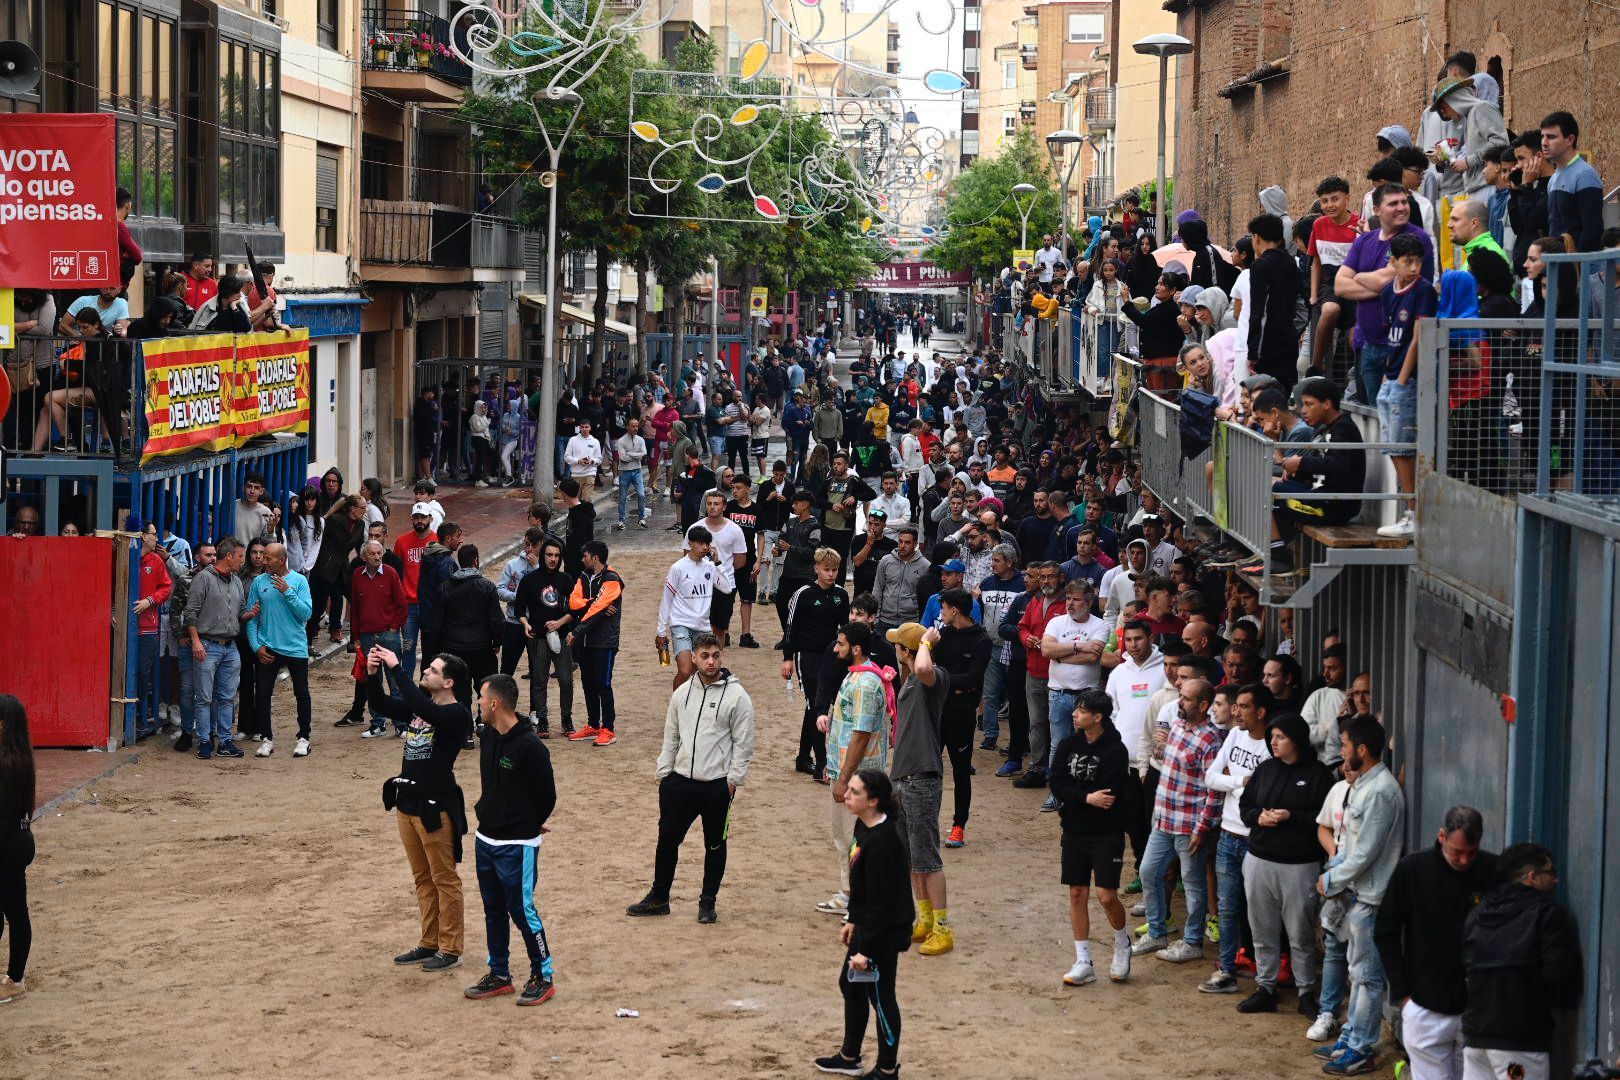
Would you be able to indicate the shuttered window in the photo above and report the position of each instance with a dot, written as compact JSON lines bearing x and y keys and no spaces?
{"x":326,"y":200}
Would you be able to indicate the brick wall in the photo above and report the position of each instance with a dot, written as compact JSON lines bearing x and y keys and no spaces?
{"x":1356,"y":65}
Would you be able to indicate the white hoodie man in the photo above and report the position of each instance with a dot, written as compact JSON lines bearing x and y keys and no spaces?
{"x":583,"y":456}
{"x":1133,"y":683}
{"x":708,"y":745}
{"x":1119,"y":582}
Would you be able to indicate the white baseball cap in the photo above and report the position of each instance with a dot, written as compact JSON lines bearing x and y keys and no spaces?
{"x":422,"y":508}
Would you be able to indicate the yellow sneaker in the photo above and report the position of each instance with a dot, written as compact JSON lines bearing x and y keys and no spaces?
{"x":941,"y":939}
{"x":922,"y":927}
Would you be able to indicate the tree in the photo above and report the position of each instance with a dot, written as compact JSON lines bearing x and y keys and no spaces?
{"x":980,"y":213}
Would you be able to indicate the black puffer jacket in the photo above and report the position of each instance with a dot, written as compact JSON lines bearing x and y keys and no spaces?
{"x":469,"y":613}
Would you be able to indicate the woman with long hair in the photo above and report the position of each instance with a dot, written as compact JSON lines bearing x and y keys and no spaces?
{"x":816,"y":468}
{"x":304,"y":530}
{"x":376,"y":501}
{"x":877,"y":928}
{"x":16,"y":840}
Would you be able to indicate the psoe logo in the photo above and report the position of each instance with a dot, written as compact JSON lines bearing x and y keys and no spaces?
{"x":64,"y":265}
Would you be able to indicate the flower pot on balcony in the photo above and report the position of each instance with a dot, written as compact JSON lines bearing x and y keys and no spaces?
{"x":424,"y":59}
{"x":383,"y":55}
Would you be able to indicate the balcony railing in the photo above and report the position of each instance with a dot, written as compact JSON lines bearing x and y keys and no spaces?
{"x":1026,"y":110}
{"x":1099,"y":192}
{"x":497,"y":244}
{"x":1026,"y":56}
{"x":1100,"y":107}
{"x":413,"y":41}
{"x":426,"y":234}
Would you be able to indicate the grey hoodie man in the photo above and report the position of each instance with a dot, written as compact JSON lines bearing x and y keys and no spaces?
{"x":1483,"y":129}
{"x":1274,"y":200}
{"x":896,"y":587}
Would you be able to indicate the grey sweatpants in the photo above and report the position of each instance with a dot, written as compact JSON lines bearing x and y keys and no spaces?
{"x":1040,"y":736}
{"x":1279,"y":896}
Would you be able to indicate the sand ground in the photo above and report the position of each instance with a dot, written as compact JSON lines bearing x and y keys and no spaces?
{"x":237,"y":918}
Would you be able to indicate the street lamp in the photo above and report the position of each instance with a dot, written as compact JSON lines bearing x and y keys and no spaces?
{"x":1164,"y":46}
{"x":545,"y":458}
{"x":1023,"y":213}
{"x":1057,"y":144}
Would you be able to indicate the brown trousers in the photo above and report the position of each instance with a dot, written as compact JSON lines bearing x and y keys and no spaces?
{"x":438,"y":883}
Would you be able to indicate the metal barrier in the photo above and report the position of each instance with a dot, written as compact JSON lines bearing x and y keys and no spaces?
{"x":1102,"y":337}
{"x":1582,"y":368}
{"x":72,"y":396}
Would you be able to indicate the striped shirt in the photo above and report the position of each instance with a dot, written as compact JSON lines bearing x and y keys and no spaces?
{"x":1184,"y":804}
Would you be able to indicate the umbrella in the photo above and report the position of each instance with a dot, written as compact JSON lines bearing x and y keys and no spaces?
{"x":1178,"y":253}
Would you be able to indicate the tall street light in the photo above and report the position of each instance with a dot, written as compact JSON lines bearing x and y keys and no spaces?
{"x":545,"y":458}
{"x":1057,"y":144}
{"x":1023,"y":213}
{"x":1164,"y":46}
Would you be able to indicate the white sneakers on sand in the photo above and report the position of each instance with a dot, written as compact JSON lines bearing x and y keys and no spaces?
{"x":1080,"y":975}
{"x":265,"y":749}
{"x":301,"y":748}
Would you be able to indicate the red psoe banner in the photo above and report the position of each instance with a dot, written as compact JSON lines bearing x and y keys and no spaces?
{"x":58,"y":221}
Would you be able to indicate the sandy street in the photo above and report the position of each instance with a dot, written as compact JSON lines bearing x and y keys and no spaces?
{"x":237,"y":918}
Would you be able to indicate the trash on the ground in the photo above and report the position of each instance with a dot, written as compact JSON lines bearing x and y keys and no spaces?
{"x":626,"y":1013}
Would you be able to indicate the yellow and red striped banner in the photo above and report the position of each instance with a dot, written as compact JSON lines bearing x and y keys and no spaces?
{"x":272,"y":384}
{"x":216,"y":391}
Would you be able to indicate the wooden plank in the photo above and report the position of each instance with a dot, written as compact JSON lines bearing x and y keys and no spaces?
{"x":1353,"y":536}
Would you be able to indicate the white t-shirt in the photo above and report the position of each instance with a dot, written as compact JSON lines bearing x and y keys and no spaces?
{"x":1047,"y":259}
{"x":1160,"y":558}
{"x":728,"y":541}
{"x":1332,"y":812}
{"x":1066,"y":676}
{"x":1240,"y":291}
{"x":1240,"y":754}
{"x":688,"y":589}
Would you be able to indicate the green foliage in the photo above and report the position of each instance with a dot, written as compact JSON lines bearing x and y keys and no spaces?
{"x":983,"y":220}
{"x":1168,"y":203}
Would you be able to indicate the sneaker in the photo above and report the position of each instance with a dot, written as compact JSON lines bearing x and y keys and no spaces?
{"x":1212,"y":930}
{"x":205,"y":751}
{"x":1333,"y":1049}
{"x":839,"y":1065}
{"x":706,"y":913}
{"x":1262,"y":1000}
{"x":254,"y":737}
{"x":1081,"y":974}
{"x":301,"y":748}
{"x":618,"y":526}
{"x":780,"y":645}
{"x":230,"y":749}
{"x":1404,"y":526}
{"x":648,"y":905}
{"x":1351,"y":1063}
{"x":605,"y":737}
{"x":491,"y":985}
{"x":747,"y":642}
{"x":1050,"y":805}
{"x":442,"y":961}
{"x":804,"y":765}
{"x":266,"y":748}
{"x":836,"y":904}
{"x":1180,"y":951}
{"x":1169,"y":931}
{"x":374,"y":733}
{"x":1218,"y":983}
{"x":586,"y":732}
{"x":481,"y":483}
{"x":1034,"y":778}
{"x":11,"y":989}
{"x":183,"y":743}
{"x":989,"y":743}
{"x":1138,"y":910}
{"x":941,"y":940}
{"x":1149,"y":945}
{"x":537,"y":991}
{"x":1307,"y":1004}
{"x":1011,"y":767}
{"x":1134,"y":888}
{"x":415,"y":956}
{"x":349,"y":720}
{"x":1119,"y":969}
{"x":1323,"y":1028}
{"x":922,"y":928}
{"x":956,"y":837}
{"x":642,"y":523}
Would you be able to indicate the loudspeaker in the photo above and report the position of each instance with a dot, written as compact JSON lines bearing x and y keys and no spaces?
{"x":19,"y":68}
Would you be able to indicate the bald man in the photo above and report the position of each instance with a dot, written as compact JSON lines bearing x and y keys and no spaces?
{"x":279,"y":606}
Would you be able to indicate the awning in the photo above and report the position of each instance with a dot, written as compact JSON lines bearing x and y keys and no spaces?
{"x":583,"y":316}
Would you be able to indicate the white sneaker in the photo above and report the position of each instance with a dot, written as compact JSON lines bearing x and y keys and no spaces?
{"x":481,"y":484}
{"x":301,"y":748}
{"x":1120,"y":968}
{"x":1405,"y":526}
{"x":1138,"y":910}
{"x":836,"y":904}
{"x":1323,"y":1028}
{"x":1080,"y":975}
{"x":265,"y":749}
{"x":1149,"y":945}
{"x":9,"y":990}
{"x":1179,"y":952}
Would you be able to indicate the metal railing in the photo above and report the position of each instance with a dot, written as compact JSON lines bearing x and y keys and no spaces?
{"x":1026,"y":55}
{"x":412,"y":41}
{"x":1102,"y":338}
{"x":1100,"y":107}
{"x":426,"y":234}
{"x":1582,"y":368}
{"x":1099,"y":192}
{"x":497,"y":244}
{"x":74,"y":397}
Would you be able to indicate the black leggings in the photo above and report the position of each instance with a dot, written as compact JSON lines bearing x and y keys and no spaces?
{"x":16,"y":852}
{"x":958,"y":731}
{"x":812,"y":740}
{"x":859,"y":997}
{"x":1017,"y":712}
{"x":737,"y":451}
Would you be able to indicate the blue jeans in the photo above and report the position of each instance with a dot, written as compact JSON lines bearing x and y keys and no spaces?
{"x":995,"y":685}
{"x":1229,"y":855}
{"x":407,"y":638}
{"x":217,"y":676}
{"x":1365,"y":1020}
{"x":146,"y":690}
{"x":188,"y":688}
{"x":388,"y":639}
{"x":1335,"y":974}
{"x":632,"y":479}
{"x":1059,"y":718}
{"x":1370,"y":364}
{"x":1161,"y":848}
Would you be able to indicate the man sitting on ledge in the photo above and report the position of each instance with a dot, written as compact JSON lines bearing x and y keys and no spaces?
{"x":1320,"y":469}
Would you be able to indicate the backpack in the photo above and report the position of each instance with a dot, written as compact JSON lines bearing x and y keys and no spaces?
{"x":887,"y":675}
{"x":1197,"y":424}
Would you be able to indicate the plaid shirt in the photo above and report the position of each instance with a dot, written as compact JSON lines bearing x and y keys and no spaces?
{"x":1183,"y":805}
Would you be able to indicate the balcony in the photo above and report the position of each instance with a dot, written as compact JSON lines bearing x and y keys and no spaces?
{"x":1099,"y":193}
{"x":1100,"y":109}
{"x":1026,"y":57}
{"x":407,"y":57}
{"x":433,"y":236}
{"x":1026,"y":111}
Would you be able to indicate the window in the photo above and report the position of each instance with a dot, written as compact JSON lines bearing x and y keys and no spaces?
{"x":970,"y":143}
{"x":1085,"y":27}
{"x":1009,"y":123}
{"x":970,"y":18}
{"x":245,"y":162}
{"x":326,"y":198}
{"x":326,"y":22}
{"x":136,"y":83}
{"x":970,"y":101}
{"x":1009,"y":74}
{"x":777,"y":35}
{"x":970,"y":60}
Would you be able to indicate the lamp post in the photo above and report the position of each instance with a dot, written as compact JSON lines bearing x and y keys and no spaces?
{"x":1164,"y":46}
{"x":545,"y":458}
{"x":1023,"y":214}
{"x":1057,"y":145}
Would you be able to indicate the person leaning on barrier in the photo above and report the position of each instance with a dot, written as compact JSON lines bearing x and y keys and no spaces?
{"x":1322,"y":470}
